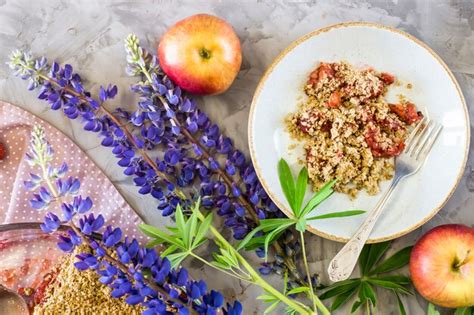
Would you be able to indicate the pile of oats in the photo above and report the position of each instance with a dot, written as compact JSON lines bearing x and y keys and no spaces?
{"x":80,"y":292}
{"x":350,"y":131}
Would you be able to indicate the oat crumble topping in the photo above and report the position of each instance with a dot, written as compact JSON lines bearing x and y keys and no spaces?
{"x":350,"y":131}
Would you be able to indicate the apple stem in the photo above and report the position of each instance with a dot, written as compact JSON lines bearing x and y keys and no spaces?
{"x":460,"y":263}
{"x":204,"y":53}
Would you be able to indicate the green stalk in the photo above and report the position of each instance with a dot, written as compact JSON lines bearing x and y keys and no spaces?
{"x":317,"y":304}
{"x":217,"y":268}
{"x":256,"y":277}
{"x":308,"y":273}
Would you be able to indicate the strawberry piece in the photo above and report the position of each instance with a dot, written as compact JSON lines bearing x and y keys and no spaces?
{"x":387,"y":78}
{"x":320,"y":73}
{"x":334,"y":100}
{"x":406,"y":112}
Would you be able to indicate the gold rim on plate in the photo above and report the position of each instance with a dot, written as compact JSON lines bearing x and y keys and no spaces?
{"x":326,"y":29}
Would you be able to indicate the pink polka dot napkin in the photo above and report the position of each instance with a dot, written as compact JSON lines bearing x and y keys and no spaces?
{"x":15,"y":128}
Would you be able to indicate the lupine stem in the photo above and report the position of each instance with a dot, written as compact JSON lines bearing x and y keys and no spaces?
{"x":217,"y":268}
{"x":314,"y":298}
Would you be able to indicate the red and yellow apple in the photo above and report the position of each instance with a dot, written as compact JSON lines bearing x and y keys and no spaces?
{"x":201,"y":54}
{"x":442,"y":266}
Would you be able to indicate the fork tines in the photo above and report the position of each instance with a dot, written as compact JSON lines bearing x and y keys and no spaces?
{"x":422,"y":138}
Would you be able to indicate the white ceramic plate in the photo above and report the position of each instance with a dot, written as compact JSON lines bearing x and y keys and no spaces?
{"x":417,"y":198}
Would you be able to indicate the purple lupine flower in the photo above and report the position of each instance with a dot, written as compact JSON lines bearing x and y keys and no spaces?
{"x":140,"y":275}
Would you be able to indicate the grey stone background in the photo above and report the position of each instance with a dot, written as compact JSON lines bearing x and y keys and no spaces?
{"x":89,"y":35}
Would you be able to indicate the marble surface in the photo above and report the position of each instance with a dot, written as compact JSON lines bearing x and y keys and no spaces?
{"x":89,"y":35}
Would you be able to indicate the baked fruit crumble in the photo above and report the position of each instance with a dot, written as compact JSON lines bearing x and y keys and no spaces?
{"x":350,"y":131}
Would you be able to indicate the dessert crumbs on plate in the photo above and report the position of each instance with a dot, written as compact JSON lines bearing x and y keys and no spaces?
{"x":349,"y":130}
{"x":80,"y":292}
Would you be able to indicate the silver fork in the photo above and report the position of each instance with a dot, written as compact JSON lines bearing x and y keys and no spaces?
{"x":418,"y":146}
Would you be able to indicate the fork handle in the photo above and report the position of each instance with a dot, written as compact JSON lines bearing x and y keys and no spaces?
{"x":344,"y":262}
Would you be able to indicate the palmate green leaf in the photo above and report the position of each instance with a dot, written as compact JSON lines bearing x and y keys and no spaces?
{"x":371,"y":254}
{"x":390,"y":285}
{"x":298,"y":290}
{"x":356,"y":305}
{"x":399,"y":279}
{"x":300,"y":191}
{"x":376,"y":252}
{"x":401,"y":307}
{"x":272,"y":307}
{"x":273,"y":235}
{"x":202,"y":230}
{"x":220,"y":265}
{"x":340,"y":288}
{"x":177,"y":258}
{"x":342,"y":298}
{"x":266,"y":226}
{"x":179,"y":217}
{"x":319,"y":197}
{"x":396,"y":261}
{"x":267,"y":298}
{"x":154,"y":232}
{"x":367,"y":293}
{"x":287,"y":183}
{"x":154,"y":243}
{"x":191,"y":227}
{"x":171,"y":249}
{"x":336,"y":215}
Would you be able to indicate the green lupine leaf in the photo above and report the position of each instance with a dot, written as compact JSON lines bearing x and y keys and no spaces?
{"x":171,"y":249}
{"x":368,"y":293}
{"x":390,"y":285}
{"x":268,"y":298}
{"x":432,"y":310}
{"x":248,"y":237}
{"x":177,"y":258}
{"x":340,"y":214}
{"x":396,"y":261}
{"x":376,"y":252}
{"x":300,"y":191}
{"x":181,"y":225}
{"x":225,"y":260}
{"x":399,"y":279}
{"x":154,"y":232}
{"x":220,"y":265}
{"x":191,"y":227}
{"x":298,"y":290}
{"x":343,"y":298}
{"x":270,"y":224}
{"x":202,"y":230}
{"x":319,"y":197}
{"x":340,"y":288}
{"x":273,"y":235}
{"x":287,"y":182}
{"x":356,"y":305}
{"x":230,"y":257}
{"x":401,"y":307}
{"x":255,"y":242}
{"x":363,"y":257}
{"x":154,"y":243}
{"x":271,"y":307}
